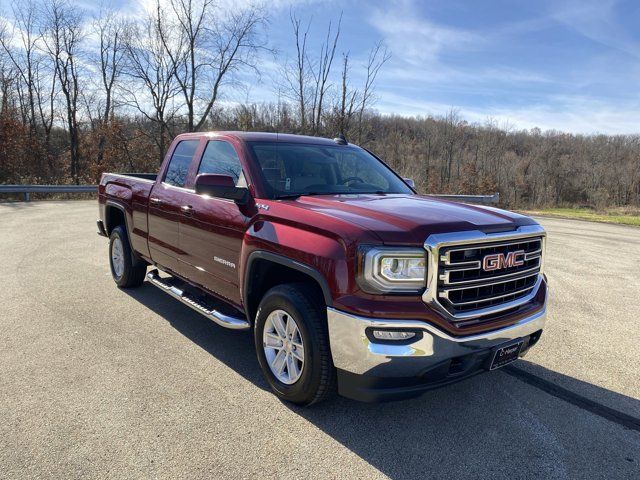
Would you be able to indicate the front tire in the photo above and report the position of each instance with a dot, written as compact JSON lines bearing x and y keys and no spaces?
{"x":126,"y":272}
{"x":292,"y":344}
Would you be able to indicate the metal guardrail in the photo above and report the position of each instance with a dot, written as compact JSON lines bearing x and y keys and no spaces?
{"x":483,"y":199}
{"x":28,"y":189}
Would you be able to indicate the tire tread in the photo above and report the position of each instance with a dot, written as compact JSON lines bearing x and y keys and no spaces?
{"x":135,"y":271}
{"x":305,"y":296}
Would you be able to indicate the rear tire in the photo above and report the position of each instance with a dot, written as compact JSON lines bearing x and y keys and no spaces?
{"x":126,"y":272}
{"x":310,"y":377}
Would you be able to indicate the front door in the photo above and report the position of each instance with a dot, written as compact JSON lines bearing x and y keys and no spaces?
{"x":165,"y":201}
{"x":211,"y":229}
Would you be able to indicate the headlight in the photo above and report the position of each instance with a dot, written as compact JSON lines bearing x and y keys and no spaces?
{"x":392,"y":270}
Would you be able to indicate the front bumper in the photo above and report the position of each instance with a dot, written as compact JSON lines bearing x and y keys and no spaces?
{"x":374,"y":371}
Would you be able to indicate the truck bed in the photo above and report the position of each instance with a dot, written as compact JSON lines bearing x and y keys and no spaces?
{"x":130,"y":193}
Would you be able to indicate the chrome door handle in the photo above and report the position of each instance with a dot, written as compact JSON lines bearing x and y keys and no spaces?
{"x":155,"y":201}
{"x":187,"y":209}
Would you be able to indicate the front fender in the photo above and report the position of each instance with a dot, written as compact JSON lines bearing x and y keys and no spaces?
{"x":324,"y":257}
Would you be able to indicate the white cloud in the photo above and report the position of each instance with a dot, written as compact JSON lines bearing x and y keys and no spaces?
{"x":423,"y":53}
{"x":439,"y":66}
{"x":480,"y":79}
{"x":137,"y":7}
{"x":596,"y":21}
{"x":575,"y":114}
{"x":418,"y":40}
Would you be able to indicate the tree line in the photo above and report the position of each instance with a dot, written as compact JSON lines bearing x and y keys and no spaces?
{"x":82,"y":94}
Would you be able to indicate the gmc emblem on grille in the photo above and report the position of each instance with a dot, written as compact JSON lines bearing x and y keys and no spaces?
{"x":498,"y":261}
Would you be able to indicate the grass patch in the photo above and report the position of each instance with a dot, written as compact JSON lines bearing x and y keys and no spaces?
{"x":619,"y":215}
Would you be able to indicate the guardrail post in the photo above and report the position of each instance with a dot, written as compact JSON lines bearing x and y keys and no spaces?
{"x":27,"y":197}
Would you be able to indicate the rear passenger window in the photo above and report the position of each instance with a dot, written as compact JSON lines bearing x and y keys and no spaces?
{"x":179,"y":163}
{"x":220,"y":158}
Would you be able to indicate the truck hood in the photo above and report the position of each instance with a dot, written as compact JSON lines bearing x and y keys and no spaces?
{"x":410,"y":219}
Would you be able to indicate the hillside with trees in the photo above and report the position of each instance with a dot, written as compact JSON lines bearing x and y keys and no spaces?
{"x":82,"y":95}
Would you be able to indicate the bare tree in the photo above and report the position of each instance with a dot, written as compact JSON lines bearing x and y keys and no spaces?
{"x":153,"y":73}
{"x":348,"y":98}
{"x":310,"y":83}
{"x":297,"y":74}
{"x":207,"y":45}
{"x":110,"y":30}
{"x":63,"y":35}
{"x":185,"y":46}
{"x":7,"y":75}
{"x":321,"y":76}
{"x":35,"y":78}
{"x":166,"y":72}
{"x":308,"y":78}
{"x":111,"y":34}
{"x":378,"y":56}
{"x":46,"y":93}
{"x":25,"y":56}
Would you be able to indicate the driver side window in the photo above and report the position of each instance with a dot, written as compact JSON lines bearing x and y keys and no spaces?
{"x":221,"y":158}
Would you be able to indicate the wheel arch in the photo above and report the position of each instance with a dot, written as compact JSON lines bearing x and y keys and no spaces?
{"x":265,"y":270}
{"x":114,"y":215}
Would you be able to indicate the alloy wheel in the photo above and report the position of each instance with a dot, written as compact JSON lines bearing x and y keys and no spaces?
{"x":283,"y":346}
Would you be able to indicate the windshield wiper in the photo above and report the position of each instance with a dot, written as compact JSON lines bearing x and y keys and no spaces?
{"x":296,"y":195}
{"x":378,"y":192}
{"x":289,"y":196}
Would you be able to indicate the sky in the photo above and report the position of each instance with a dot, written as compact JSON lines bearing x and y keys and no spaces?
{"x":569,"y":66}
{"x":572,"y":66}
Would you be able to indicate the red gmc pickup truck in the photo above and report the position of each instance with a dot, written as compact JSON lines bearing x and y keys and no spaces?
{"x":348,"y":278}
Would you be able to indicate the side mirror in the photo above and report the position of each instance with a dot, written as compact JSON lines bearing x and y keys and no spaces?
{"x":220,"y":186}
{"x":410,"y":182}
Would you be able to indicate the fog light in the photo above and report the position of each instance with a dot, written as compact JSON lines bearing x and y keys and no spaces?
{"x":390,"y":335}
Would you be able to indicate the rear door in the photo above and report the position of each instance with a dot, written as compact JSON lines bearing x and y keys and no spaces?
{"x":164,"y":206}
{"x":212,"y":229}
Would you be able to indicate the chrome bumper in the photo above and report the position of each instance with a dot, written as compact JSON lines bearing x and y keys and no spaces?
{"x":354,"y":352}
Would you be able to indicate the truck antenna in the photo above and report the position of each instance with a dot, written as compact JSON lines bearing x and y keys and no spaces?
{"x":341,"y":140}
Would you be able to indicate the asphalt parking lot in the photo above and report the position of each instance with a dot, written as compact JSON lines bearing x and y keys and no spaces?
{"x":96,"y":382}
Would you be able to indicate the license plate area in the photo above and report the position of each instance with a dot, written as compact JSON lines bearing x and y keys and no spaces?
{"x":506,"y":354}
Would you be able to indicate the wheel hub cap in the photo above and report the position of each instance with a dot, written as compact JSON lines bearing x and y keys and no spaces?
{"x":117,"y":257}
{"x":283,"y":347}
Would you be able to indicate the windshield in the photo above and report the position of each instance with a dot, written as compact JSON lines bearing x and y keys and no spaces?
{"x":293,"y":169}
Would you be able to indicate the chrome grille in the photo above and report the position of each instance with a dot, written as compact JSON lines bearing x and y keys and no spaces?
{"x":459,"y":286}
{"x":464,"y":286}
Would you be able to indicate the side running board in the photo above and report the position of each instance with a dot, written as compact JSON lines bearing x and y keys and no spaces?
{"x":212,"y":314}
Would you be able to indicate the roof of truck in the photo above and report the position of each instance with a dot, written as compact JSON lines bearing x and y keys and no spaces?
{"x":264,"y":137}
